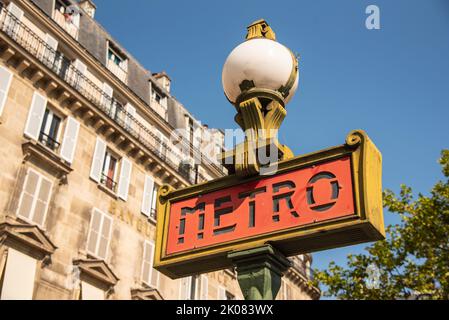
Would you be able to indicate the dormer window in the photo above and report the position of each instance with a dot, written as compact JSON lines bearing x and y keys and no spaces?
{"x":67,"y":17}
{"x":117,"y":62}
{"x":114,"y":57}
{"x":159,"y":103}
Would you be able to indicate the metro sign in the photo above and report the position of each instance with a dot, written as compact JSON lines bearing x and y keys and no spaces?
{"x":318,"y":201}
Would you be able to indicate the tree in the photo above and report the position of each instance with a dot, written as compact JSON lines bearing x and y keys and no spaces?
{"x":413,"y":260}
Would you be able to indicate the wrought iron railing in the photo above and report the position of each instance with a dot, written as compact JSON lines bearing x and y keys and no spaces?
{"x":66,"y":70}
{"x":108,"y":182}
{"x":48,"y":141}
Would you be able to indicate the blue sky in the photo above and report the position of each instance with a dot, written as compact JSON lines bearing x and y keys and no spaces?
{"x":392,"y":82}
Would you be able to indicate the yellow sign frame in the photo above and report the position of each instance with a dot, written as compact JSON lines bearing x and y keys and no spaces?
{"x":366,"y":225}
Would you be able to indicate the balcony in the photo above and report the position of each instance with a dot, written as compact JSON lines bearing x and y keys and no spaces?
{"x":117,"y":71}
{"x":64,"y":69}
{"x":68,"y":26}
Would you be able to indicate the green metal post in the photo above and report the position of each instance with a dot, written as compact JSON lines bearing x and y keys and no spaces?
{"x":259,"y":271}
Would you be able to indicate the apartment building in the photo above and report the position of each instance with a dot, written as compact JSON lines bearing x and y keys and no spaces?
{"x":87,"y":135}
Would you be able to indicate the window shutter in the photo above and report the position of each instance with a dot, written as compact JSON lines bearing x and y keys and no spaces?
{"x":105,"y":236}
{"x":131,"y":110}
{"x":204,"y":283}
{"x":42,"y":200}
{"x":18,"y":280}
{"x":107,"y":89}
{"x":153,"y":203}
{"x":147,"y":195}
{"x":184,"y":289}
{"x":146,"y":263}
{"x":97,"y":160}
{"x":197,"y":137}
{"x":94,"y":231}
{"x":29,"y":191}
{"x":70,"y":138}
{"x":35,"y":116}
{"x":125,"y":176}
{"x":221,"y":293}
{"x":49,"y":54}
{"x":150,"y":276}
{"x":51,"y":42}
{"x":5,"y":82}
{"x":82,"y":68}
{"x":15,"y":10}
{"x":154,"y":280}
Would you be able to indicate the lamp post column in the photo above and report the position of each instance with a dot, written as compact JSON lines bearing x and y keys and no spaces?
{"x":260,"y":271}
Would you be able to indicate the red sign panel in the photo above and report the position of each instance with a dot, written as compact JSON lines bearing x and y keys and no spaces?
{"x":274,"y":203}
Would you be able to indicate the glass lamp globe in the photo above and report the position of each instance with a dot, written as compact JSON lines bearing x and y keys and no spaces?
{"x":262,"y":66}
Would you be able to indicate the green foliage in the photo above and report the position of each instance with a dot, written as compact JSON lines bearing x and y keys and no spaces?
{"x":414,"y":258}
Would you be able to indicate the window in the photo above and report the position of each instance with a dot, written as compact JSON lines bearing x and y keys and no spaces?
{"x":18,"y":278}
{"x":224,"y":294}
{"x":109,"y":171}
{"x":5,"y":83}
{"x":99,"y":234}
{"x":159,"y":103}
{"x":194,"y":288}
{"x":117,"y":63}
{"x":185,"y":288}
{"x":308,"y":270}
{"x":162,"y":144}
{"x":153,"y":212}
{"x":202,"y":287}
{"x":150,"y":276}
{"x":104,"y":170}
{"x":65,"y":16}
{"x":34,"y":199}
{"x":49,"y":133}
{"x":156,"y":96}
{"x":44,"y":125}
{"x":114,"y":57}
{"x":149,"y":198}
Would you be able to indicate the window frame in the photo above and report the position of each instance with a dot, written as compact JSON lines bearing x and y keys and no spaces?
{"x":153,"y":202}
{"x":45,"y":123}
{"x":107,"y":156}
{"x":112,"y":48}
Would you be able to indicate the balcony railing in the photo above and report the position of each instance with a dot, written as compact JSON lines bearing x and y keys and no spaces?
{"x":108,"y":182}
{"x":65,"y":70}
{"x":48,"y":141}
{"x":66,"y":25}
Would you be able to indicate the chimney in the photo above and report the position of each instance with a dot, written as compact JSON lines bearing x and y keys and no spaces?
{"x":163,"y":79}
{"x":89,"y":7}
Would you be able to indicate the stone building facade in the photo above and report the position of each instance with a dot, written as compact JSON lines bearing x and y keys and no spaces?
{"x":86,"y":137}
